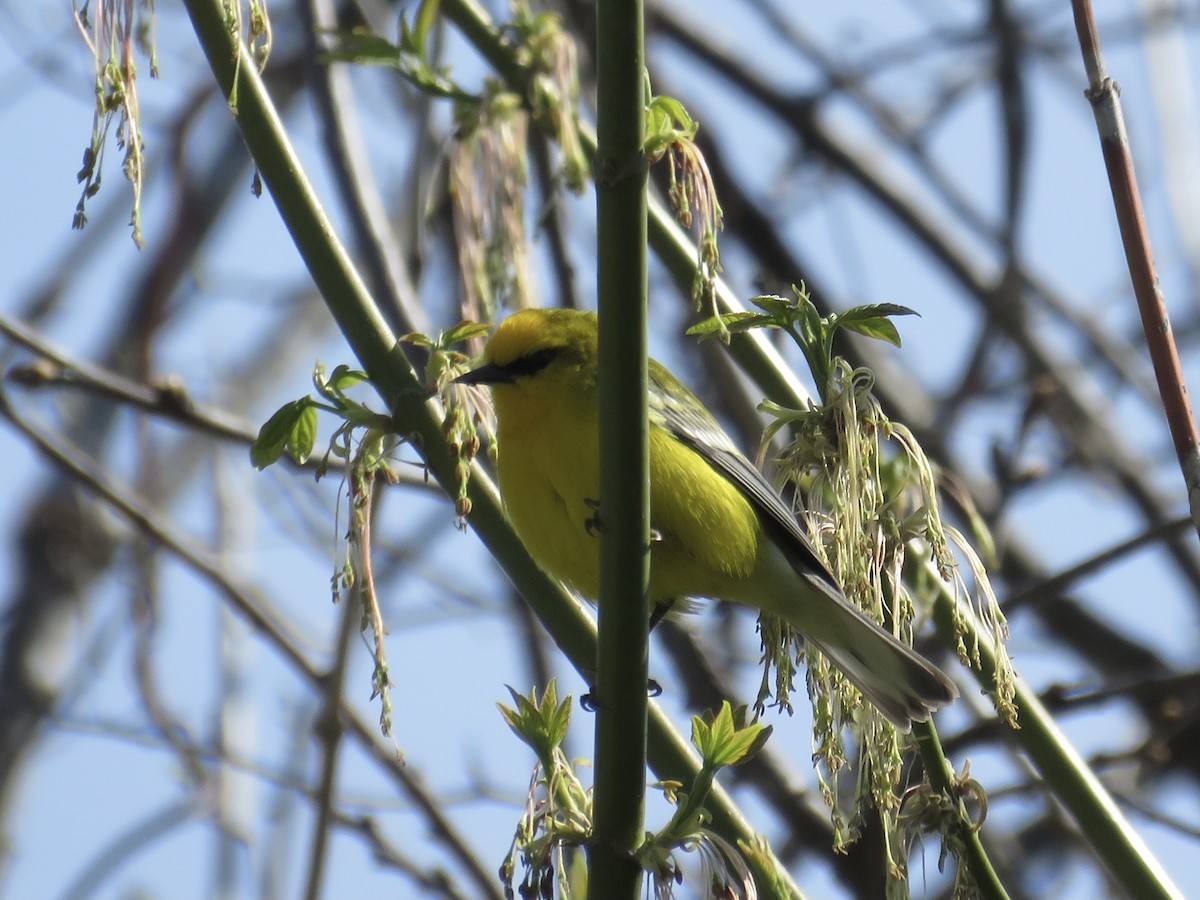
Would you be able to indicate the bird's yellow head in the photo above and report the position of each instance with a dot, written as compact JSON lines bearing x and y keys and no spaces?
{"x":540,"y":346}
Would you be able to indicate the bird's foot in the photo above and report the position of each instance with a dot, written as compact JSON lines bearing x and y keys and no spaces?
{"x":590,"y":702}
{"x":592,"y":524}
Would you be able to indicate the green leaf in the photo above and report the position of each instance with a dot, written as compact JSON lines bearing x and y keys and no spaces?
{"x":276,"y":432}
{"x":880,"y":328}
{"x":344,"y":377}
{"x":363,"y":46}
{"x":416,"y":338}
{"x":725,"y":739}
{"x":463,"y":331}
{"x":777,"y":306}
{"x":657,"y":121}
{"x":875,"y":310}
{"x":734,"y":322}
{"x":303,"y":434}
{"x":873,"y":320}
{"x":426,"y":16}
{"x":540,"y":723}
{"x":667,"y":123}
{"x":675,"y":114}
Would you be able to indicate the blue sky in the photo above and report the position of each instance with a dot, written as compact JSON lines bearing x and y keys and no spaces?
{"x":100,"y":770}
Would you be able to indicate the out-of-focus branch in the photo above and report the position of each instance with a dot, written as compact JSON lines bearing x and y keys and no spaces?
{"x":1050,"y":588}
{"x":65,"y":549}
{"x":265,"y":620}
{"x":433,"y":882}
{"x":552,"y":222}
{"x":801,"y":114}
{"x":169,"y":400}
{"x":58,"y":368}
{"x":328,"y":729}
{"x":116,"y":852}
{"x":291,"y":783}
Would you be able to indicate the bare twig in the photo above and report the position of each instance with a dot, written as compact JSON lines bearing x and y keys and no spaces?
{"x":170,"y":399}
{"x":435,"y":881}
{"x":290,"y":783}
{"x":1114,"y":143}
{"x":57,"y":367}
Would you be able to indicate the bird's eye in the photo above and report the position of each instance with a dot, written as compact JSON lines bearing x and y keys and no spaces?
{"x":534,"y":362}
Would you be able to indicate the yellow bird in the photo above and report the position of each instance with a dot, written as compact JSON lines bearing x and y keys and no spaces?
{"x":721,"y":529}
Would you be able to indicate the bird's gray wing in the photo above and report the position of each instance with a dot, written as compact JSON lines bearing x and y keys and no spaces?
{"x":681,"y":412}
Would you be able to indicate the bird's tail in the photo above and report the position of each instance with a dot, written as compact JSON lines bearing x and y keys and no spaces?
{"x":897,"y":680}
{"x":901,"y":683}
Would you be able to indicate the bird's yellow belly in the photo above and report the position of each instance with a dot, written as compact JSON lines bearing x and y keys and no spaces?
{"x":545,"y":498}
{"x":707,"y":535}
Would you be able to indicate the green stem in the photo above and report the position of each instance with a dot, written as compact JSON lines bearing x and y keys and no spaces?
{"x":941,"y":778}
{"x":1068,"y":776}
{"x":624,"y":609}
{"x":415,"y":417}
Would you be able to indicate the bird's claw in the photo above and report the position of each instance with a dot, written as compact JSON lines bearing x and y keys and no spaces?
{"x":592,"y":524}
{"x":660,"y":610}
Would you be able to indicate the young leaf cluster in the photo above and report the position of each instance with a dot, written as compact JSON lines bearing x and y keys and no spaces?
{"x":293,"y":427}
{"x":410,"y":57}
{"x":467,"y":409}
{"x":812,"y":332}
{"x":558,"y":813}
{"x":723,"y":739}
{"x":671,"y":132}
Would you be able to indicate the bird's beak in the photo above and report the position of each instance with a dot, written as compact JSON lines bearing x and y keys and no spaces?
{"x":488,"y":373}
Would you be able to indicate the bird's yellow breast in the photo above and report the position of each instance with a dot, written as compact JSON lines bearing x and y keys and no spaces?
{"x":707,"y":535}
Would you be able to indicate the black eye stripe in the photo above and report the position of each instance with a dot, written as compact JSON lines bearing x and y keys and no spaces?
{"x":532,"y":363}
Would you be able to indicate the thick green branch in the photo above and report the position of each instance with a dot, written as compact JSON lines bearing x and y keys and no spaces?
{"x":1073,"y":783}
{"x":623,"y":652}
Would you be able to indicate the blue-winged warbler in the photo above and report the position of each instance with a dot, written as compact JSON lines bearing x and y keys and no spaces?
{"x":720,"y":530}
